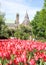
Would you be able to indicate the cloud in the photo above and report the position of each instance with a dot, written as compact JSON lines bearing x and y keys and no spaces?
{"x":11,"y":8}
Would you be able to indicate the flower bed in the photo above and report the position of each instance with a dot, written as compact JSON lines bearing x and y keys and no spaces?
{"x":22,"y":52}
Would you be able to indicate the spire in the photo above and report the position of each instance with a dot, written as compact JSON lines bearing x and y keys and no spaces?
{"x":26,"y":19}
{"x":26,"y":15}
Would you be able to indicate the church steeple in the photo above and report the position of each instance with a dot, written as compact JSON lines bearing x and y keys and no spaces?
{"x":26,"y":15}
{"x":26,"y":19}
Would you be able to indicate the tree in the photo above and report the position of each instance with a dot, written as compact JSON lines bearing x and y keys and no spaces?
{"x":3,"y":27}
{"x":23,"y":32}
{"x":44,"y":4}
{"x":39,"y":24}
{"x":10,"y":32}
{"x":2,"y":20}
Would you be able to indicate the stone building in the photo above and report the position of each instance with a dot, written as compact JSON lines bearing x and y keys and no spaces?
{"x":17,"y":19}
{"x":16,"y":24}
{"x":26,"y":19}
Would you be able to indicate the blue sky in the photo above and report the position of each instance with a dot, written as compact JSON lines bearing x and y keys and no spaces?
{"x":11,"y":7}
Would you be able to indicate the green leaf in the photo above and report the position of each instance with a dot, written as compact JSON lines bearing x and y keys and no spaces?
{"x":12,"y":57}
{"x":44,"y":63}
{"x":5,"y":61}
{"x":0,"y":60}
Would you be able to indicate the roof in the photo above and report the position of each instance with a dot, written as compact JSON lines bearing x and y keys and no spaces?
{"x":11,"y":25}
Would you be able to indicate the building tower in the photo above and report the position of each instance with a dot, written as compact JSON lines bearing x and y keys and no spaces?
{"x":17,"y":19}
{"x":26,"y":19}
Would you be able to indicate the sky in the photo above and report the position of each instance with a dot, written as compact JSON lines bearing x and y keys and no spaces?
{"x":12,"y":7}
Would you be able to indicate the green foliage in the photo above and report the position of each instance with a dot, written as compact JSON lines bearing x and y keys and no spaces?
{"x":44,"y":4}
{"x":20,"y":63}
{"x":39,"y":25}
{"x":44,"y":63}
{"x":10,"y":32}
{"x":3,"y":27}
{"x":23,"y":32}
{"x":3,"y":32}
{"x":1,"y":20}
